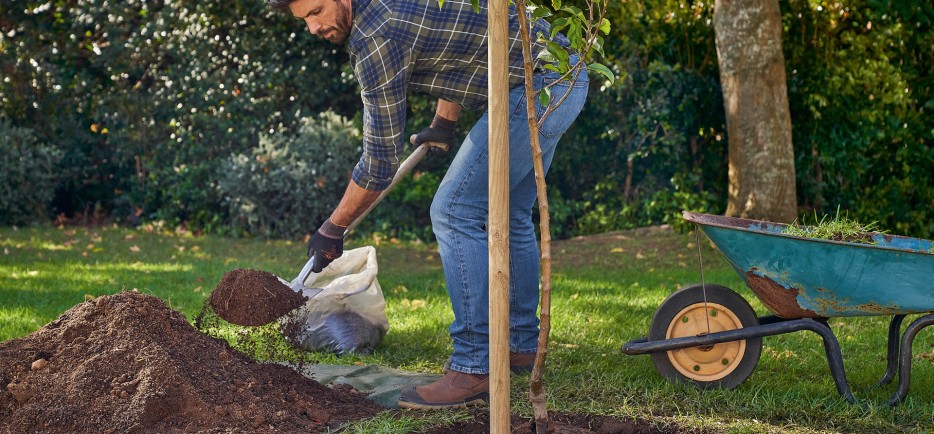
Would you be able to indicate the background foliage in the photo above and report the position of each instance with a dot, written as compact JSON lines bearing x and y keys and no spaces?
{"x":290,"y":181}
{"x":28,"y":175}
{"x":148,"y":102}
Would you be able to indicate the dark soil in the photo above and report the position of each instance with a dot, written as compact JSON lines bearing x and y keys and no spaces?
{"x":253,"y":298}
{"x":560,"y":424}
{"x":127,"y":363}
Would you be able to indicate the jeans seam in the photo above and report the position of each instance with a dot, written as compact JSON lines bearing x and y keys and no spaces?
{"x":462,"y":262}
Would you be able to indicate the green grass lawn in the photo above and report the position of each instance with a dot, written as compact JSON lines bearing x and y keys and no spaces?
{"x":605,"y":291}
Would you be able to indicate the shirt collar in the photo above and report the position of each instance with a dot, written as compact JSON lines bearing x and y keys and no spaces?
{"x":358,"y":7}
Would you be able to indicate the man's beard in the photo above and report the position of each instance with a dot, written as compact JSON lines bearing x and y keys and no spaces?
{"x":341,"y":29}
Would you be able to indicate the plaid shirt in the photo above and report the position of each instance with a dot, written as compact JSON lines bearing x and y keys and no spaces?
{"x":402,"y":45}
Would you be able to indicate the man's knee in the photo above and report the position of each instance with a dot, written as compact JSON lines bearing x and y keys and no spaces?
{"x":439,"y":212}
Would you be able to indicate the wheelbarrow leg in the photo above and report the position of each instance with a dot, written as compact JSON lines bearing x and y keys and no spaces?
{"x":834,"y":357}
{"x":891,"y":366}
{"x":904,"y":362}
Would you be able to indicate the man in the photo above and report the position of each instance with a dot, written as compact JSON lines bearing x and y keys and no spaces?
{"x":398,"y":46}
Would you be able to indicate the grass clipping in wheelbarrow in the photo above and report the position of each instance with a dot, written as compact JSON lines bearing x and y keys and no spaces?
{"x":253,"y":298}
{"x":127,"y":363}
{"x":837,"y":228}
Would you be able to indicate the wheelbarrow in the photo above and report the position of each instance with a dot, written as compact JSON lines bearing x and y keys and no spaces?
{"x":708,"y":335}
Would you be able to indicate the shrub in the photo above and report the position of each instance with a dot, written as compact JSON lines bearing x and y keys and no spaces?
{"x":290,"y":183}
{"x":147,"y":98}
{"x":27,"y":175}
{"x":862,"y":130}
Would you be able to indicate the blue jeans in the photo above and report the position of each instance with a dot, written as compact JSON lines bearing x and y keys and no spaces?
{"x":459,"y":217}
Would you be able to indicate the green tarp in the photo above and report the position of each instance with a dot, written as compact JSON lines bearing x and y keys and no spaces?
{"x":382,"y":384}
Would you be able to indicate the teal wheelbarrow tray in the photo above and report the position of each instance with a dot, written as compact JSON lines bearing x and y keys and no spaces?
{"x":709,"y":335}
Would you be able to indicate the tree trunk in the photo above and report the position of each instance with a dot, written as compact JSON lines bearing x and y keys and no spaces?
{"x":755,"y":96}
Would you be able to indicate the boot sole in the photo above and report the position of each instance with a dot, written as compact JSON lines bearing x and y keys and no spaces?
{"x":475,"y":400}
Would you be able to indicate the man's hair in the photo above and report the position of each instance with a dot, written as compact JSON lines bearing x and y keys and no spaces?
{"x":279,"y":5}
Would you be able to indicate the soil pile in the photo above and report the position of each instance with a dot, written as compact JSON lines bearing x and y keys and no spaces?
{"x":253,"y":298}
{"x":127,"y":363}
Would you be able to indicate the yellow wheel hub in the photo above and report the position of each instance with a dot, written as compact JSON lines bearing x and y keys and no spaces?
{"x":707,"y":363}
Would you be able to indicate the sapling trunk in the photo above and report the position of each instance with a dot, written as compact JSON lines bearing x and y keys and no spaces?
{"x":537,"y":395}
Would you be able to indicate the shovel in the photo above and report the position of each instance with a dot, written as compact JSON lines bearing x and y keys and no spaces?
{"x":298,"y":284}
{"x":243,"y":298}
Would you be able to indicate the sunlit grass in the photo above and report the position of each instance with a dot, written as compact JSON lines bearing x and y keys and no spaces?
{"x":405,"y":422}
{"x":605,"y":291}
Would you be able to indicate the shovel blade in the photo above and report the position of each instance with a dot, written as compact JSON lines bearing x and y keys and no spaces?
{"x":298,"y":284}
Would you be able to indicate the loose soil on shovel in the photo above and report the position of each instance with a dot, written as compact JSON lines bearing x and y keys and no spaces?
{"x":253,"y":298}
{"x":127,"y":363}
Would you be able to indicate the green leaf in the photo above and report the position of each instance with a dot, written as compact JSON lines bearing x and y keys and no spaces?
{"x":552,"y":67}
{"x":558,"y":51}
{"x":558,"y":25}
{"x":602,"y":69}
{"x":575,"y":12}
{"x":440,"y":4}
{"x":605,"y":26}
{"x":575,"y":35}
{"x":598,"y":45}
{"x":540,"y":12}
{"x":556,"y":4}
{"x":544,"y":97}
{"x":476,"y":5}
{"x":547,"y":57}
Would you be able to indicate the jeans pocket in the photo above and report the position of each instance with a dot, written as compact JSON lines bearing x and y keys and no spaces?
{"x":562,"y":116}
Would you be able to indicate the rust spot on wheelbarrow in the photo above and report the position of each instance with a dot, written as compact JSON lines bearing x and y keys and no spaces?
{"x":842,"y":307}
{"x":777,"y":298}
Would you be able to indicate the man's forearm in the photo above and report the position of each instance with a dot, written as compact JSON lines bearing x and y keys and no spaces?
{"x":448,"y":110}
{"x":355,"y":201}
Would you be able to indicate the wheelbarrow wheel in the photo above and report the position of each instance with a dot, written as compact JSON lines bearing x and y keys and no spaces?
{"x":686,"y":313}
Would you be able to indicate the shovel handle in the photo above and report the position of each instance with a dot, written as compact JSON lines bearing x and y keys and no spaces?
{"x":411,"y":161}
{"x":299,"y":282}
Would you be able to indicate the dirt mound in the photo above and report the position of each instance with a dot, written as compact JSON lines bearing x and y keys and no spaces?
{"x":127,"y":363}
{"x":253,"y":298}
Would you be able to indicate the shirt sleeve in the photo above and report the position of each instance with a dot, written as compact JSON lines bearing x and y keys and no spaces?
{"x":383,"y":68}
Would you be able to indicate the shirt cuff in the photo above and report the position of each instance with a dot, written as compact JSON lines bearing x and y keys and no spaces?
{"x":368,"y":181}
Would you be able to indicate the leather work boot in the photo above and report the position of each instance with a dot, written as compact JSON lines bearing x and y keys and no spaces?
{"x":519,"y":363}
{"x":453,"y":390}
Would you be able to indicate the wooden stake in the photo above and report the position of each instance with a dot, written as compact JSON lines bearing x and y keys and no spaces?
{"x":498,"y":224}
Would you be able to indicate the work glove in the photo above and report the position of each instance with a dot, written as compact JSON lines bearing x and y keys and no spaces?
{"x":440,"y":133}
{"x":326,"y":245}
